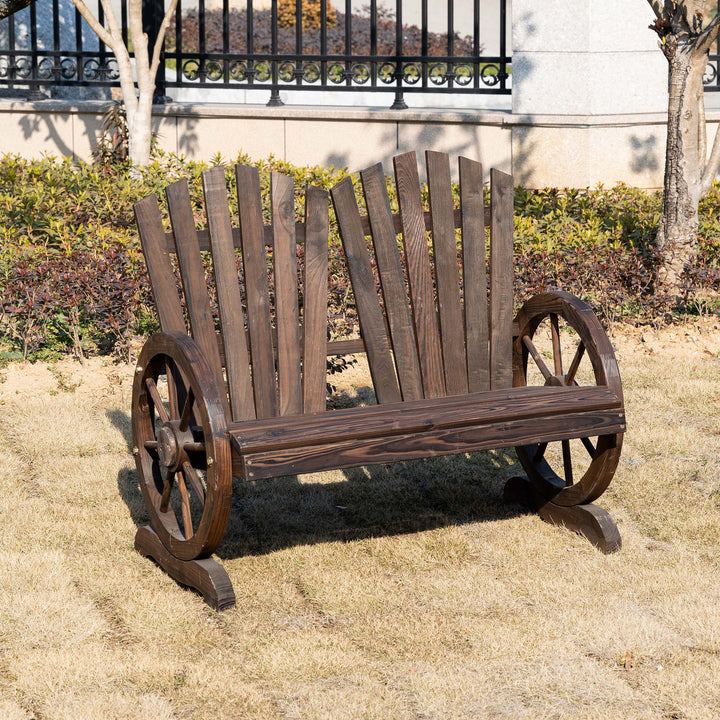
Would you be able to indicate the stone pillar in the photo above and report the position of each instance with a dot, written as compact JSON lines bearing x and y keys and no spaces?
{"x":583,"y":72}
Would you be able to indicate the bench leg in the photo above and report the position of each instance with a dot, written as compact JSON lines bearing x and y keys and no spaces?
{"x":589,"y":520}
{"x":207,"y":576}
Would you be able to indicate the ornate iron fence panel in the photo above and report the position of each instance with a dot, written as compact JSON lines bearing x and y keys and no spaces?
{"x":438,"y":46}
{"x":711,"y":79}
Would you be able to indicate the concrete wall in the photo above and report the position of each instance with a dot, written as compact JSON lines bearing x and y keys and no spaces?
{"x":588,"y":106}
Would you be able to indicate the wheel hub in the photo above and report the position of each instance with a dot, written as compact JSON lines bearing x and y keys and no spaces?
{"x":170,"y":446}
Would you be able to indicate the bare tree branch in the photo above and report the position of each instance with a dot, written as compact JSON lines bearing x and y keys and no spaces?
{"x":94,"y":24}
{"x":9,"y":7}
{"x":657,"y":8}
{"x":155,"y":63}
{"x":711,"y":166}
{"x":708,"y":36}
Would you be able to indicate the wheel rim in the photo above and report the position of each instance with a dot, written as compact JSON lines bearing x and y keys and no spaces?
{"x":561,"y":343}
{"x":181,"y":447}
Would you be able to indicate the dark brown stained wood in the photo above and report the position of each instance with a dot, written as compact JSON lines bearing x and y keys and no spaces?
{"x":315,"y":298}
{"x":287,"y":314}
{"x":162,"y":277}
{"x":417,"y":258}
{"x":204,"y":237}
{"x":374,"y":330}
{"x":256,"y":290}
{"x":474,"y":275}
{"x":396,"y":448}
{"x":447,"y":273}
{"x":232,"y":317}
{"x":207,"y":576}
{"x":420,"y":416}
{"x":393,"y":284}
{"x":501,"y":279}
{"x":589,"y":520}
{"x":193,"y":278}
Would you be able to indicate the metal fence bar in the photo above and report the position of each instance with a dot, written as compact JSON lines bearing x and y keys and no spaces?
{"x":368,"y":50}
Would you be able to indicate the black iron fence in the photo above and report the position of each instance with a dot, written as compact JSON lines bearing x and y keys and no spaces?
{"x":391,"y":46}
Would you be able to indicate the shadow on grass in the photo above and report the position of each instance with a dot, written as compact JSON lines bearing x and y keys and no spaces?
{"x":352,"y":504}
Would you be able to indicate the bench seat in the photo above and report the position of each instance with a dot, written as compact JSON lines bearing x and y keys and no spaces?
{"x":407,"y":430}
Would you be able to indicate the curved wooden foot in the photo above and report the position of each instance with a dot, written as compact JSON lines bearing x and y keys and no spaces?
{"x":207,"y":576}
{"x":589,"y":520}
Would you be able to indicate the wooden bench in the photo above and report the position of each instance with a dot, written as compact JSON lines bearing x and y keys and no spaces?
{"x":235,"y":384}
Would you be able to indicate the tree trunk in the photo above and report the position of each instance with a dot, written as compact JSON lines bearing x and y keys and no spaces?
{"x":685,"y":161}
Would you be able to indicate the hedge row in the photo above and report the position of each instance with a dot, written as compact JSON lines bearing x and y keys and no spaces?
{"x":72,"y":276}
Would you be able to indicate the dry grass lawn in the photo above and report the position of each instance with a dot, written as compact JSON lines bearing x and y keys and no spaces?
{"x":410,"y":592}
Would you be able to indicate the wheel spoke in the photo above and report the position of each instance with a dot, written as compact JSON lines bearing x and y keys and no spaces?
{"x":567,"y":462}
{"x":193,"y":478}
{"x":557,"y":355}
{"x":167,"y":489}
{"x":187,"y":411}
{"x":185,"y":503}
{"x":575,"y":364}
{"x":172,"y":392}
{"x":540,"y":452}
{"x":536,"y":357}
{"x":588,"y":446}
{"x":157,"y":400}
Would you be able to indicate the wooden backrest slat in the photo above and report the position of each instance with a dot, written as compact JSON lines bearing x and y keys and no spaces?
{"x":474,"y":275}
{"x":162,"y":277}
{"x":287,"y":316}
{"x":256,"y":289}
{"x":192,"y":272}
{"x":419,"y":274}
{"x":315,"y":297}
{"x":232,"y":318}
{"x":372,"y":323}
{"x":447,"y":273}
{"x":393,"y":284}
{"x":204,"y":237}
{"x":501,"y":279}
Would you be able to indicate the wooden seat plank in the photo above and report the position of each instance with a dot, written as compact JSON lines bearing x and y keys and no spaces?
{"x":417,"y":258}
{"x":445,"y":441}
{"x":501,"y":278}
{"x":474,"y":275}
{"x":393,"y":284}
{"x":162,"y":278}
{"x":256,"y":290}
{"x":372,"y":323}
{"x":447,"y":275}
{"x":232,"y":317}
{"x":315,"y":299}
{"x":192,"y":272}
{"x":420,"y":416}
{"x":287,"y":315}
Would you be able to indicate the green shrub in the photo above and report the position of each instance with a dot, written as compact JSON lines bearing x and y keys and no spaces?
{"x":72,"y":277}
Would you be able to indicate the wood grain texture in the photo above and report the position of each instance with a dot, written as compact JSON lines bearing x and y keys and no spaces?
{"x":287,"y":315}
{"x":157,"y":259}
{"x":591,"y":521}
{"x":192,"y":272}
{"x":315,"y":300}
{"x":501,"y":279}
{"x":232,"y":317}
{"x":208,"y":577}
{"x":394,"y":290}
{"x":396,"y":448}
{"x":420,"y":277}
{"x":372,"y":323}
{"x":452,"y":324}
{"x":256,"y":289}
{"x":474,"y":275}
{"x":204,"y":237}
{"x":419,"y":416}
